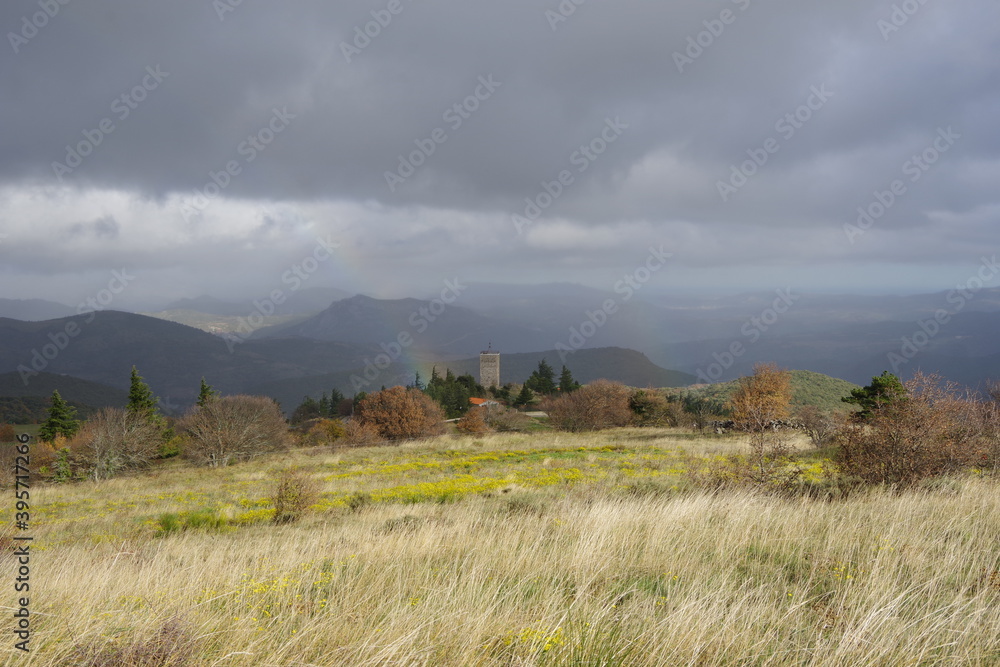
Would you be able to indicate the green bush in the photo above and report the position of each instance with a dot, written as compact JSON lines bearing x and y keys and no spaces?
{"x":294,"y":492}
{"x":203,"y":519}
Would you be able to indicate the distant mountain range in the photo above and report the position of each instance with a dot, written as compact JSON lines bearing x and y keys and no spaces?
{"x":33,"y":310}
{"x":20,"y":404}
{"x":323,"y":338}
{"x":102,"y":347}
{"x":220,"y":317}
{"x":431,"y":326}
{"x":626,"y":366}
{"x":171,"y":357}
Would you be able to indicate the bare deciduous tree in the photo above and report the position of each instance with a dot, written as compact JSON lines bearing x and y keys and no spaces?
{"x":234,"y":428}
{"x":820,"y":426}
{"x":116,"y":441}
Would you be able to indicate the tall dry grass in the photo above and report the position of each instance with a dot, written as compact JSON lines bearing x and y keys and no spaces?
{"x":562,"y":574}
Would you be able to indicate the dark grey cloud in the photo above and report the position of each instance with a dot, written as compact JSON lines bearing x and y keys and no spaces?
{"x":259,"y":110}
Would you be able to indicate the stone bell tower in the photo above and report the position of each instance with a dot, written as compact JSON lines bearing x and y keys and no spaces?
{"x":489,"y":368}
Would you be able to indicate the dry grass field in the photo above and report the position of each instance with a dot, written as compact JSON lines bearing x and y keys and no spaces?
{"x":539,"y":549}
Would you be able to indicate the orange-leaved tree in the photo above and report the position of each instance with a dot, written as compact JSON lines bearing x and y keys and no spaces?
{"x":401,"y":413}
{"x":760,"y":402}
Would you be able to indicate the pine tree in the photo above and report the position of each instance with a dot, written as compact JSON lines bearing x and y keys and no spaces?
{"x":501,"y":393}
{"x":883,"y":390}
{"x":205,"y":394}
{"x":542,"y":380}
{"x":61,"y":420}
{"x":324,"y":405}
{"x":308,"y":409}
{"x":336,"y":398}
{"x":566,"y":382}
{"x":141,"y":401}
{"x":525,"y":397}
{"x":140,"y":396}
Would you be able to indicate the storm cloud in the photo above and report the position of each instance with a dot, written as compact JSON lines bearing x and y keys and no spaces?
{"x":206,"y":145}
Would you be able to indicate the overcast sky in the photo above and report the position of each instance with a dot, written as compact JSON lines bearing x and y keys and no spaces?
{"x":115,"y":115}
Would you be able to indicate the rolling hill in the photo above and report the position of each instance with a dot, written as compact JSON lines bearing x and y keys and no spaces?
{"x":627,"y":366}
{"x":808,"y":388}
{"x":432,"y":326}
{"x":33,"y":310}
{"x":25,"y":404}
{"x":171,"y":357}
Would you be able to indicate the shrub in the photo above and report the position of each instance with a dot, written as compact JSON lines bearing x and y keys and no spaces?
{"x":401,"y":413}
{"x":111,"y":443}
{"x":7,"y":433}
{"x":932,"y":430}
{"x":357,"y":434}
{"x":501,"y":418}
{"x":473,"y":423}
{"x":819,"y":426}
{"x":358,"y":501}
{"x":234,"y":428}
{"x":989,"y":418}
{"x":171,"y":447}
{"x":206,"y":519}
{"x":652,"y":409}
{"x":294,"y":492}
{"x":62,"y":466}
{"x":598,"y":405}
{"x":43,"y":457}
{"x":328,"y":431}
